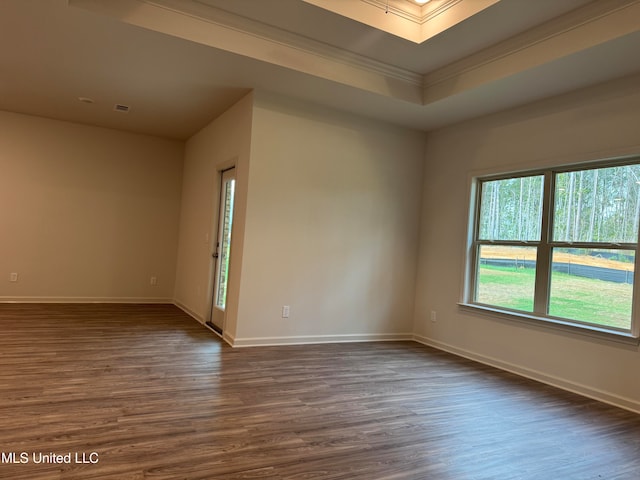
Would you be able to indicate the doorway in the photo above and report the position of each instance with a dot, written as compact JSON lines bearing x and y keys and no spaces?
{"x":222,"y":252}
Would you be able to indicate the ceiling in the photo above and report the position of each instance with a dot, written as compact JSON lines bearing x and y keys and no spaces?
{"x":178,"y":64}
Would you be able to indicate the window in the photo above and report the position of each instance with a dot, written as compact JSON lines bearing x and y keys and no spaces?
{"x":223,"y":250}
{"x":559,"y":245}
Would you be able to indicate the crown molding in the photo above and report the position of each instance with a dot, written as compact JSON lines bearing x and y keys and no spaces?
{"x":280,"y":37}
{"x":588,"y":26}
{"x":412,"y":12}
{"x":408,"y":20}
{"x":431,"y":10}
{"x":594,"y":24}
{"x":400,"y":8}
{"x":240,"y":35}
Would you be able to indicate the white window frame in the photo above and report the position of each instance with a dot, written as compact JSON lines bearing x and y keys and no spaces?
{"x":545,"y":246}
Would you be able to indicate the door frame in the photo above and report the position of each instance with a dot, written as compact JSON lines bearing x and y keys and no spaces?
{"x":214,"y":247}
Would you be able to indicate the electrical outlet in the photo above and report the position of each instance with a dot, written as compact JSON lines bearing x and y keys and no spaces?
{"x":285,"y":311}
{"x":13,"y":277}
{"x":434,"y":316}
{"x":153,"y":281}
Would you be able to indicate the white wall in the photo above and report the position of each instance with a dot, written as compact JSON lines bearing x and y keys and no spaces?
{"x":332,"y":211}
{"x":225,"y":142}
{"x":86,"y":213}
{"x":332,"y":226}
{"x":596,"y":123}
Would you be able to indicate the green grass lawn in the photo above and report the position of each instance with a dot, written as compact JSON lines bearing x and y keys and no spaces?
{"x":577,"y":298}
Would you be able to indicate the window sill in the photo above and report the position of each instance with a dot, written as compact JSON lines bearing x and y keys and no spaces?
{"x":592,"y":331}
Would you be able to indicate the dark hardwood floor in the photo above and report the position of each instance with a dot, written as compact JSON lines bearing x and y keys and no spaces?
{"x":156,"y":395}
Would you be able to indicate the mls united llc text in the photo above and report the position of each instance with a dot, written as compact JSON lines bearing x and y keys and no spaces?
{"x":50,"y":457}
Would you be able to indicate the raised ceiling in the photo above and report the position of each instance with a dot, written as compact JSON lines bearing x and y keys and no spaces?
{"x":180,"y":63}
{"x":405,"y":18}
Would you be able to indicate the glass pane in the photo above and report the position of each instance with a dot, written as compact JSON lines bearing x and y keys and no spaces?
{"x":592,"y":285}
{"x":599,"y":205}
{"x":506,"y":276}
{"x":225,"y":244}
{"x":511,"y":209}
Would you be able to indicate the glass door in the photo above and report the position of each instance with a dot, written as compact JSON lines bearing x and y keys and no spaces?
{"x":223,"y":249}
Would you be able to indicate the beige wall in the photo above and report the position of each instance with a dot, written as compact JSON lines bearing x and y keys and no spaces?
{"x":225,"y":142}
{"x":331,"y":226}
{"x":87,"y":213}
{"x":595,"y":123}
{"x":334,"y":217}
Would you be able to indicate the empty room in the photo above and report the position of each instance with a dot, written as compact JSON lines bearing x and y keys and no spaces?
{"x":319,"y":239}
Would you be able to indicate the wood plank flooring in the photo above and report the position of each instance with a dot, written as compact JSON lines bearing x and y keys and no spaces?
{"x":157,"y":396}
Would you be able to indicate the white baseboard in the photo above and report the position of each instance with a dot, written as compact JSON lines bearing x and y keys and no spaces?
{"x":227,"y":337}
{"x":584,"y":390}
{"x":315,"y":339}
{"x":86,"y":300}
{"x":188,"y":311}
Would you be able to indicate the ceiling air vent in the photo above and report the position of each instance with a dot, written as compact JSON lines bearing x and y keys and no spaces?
{"x":121,"y":108}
